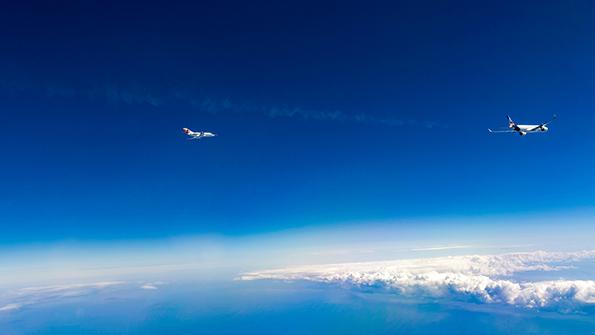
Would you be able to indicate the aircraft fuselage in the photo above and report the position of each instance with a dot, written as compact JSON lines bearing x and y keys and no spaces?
{"x":524,"y":129}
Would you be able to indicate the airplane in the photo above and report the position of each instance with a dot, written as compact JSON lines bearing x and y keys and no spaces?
{"x":197,"y":135}
{"x":523,"y":129}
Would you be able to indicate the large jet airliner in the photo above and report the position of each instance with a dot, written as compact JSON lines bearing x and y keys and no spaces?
{"x":524,"y":129}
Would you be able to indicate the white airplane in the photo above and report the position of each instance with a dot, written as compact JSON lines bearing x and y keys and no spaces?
{"x":197,"y":135}
{"x":524,"y":129}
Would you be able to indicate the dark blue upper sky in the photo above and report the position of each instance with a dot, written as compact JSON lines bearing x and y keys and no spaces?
{"x":327,"y":113}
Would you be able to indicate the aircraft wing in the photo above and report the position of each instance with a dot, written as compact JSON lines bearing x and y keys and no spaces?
{"x":502,"y":131}
{"x":544,"y":124}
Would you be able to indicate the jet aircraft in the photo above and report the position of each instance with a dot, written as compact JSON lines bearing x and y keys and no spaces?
{"x":523,"y":129}
{"x":197,"y":135}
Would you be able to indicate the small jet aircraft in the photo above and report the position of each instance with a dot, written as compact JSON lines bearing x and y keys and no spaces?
{"x":197,"y":135}
{"x":523,"y":129}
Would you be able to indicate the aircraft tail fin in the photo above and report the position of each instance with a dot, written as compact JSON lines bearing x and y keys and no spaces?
{"x":187,"y":131}
{"x":511,"y":124}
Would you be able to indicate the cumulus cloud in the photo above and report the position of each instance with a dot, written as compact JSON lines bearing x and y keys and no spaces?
{"x":480,"y":278}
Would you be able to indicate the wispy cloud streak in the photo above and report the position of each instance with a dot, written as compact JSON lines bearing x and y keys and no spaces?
{"x":136,"y":94}
{"x":17,"y":299}
{"x":446,"y":247}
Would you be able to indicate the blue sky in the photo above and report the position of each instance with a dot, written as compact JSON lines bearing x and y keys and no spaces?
{"x":353,"y":184}
{"x":326,"y":114}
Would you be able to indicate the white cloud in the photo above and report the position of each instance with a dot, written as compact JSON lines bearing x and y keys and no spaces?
{"x":483,"y":278}
{"x":27,"y":296}
{"x":152,"y":285}
{"x":149,"y":286}
{"x":9,"y":307}
{"x":69,"y":289}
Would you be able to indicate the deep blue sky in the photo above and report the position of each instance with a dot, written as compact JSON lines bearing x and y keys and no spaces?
{"x":393,"y":103}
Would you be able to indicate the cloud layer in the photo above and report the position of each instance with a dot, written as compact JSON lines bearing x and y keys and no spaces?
{"x":480,"y":278}
{"x":13,"y":300}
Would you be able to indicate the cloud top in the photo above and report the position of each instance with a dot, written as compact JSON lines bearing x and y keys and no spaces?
{"x":479,"y":278}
